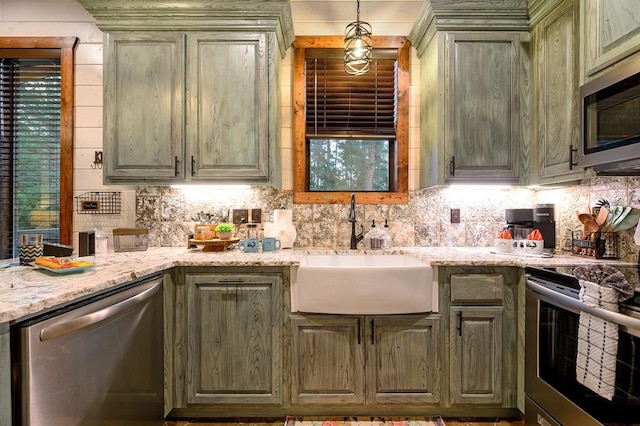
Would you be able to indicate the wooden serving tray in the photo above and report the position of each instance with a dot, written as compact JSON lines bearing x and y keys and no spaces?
{"x":214,"y":245}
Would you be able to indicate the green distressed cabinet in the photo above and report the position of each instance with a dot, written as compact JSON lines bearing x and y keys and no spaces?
{"x":481,"y":307}
{"x":556,"y":80}
{"x":474,"y":90}
{"x":610,"y":33}
{"x":5,"y":375}
{"x":482,"y":102}
{"x":224,"y":332}
{"x":235,"y":338}
{"x":144,"y":92}
{"x":342,"y":359}
{"x":191,"y":94}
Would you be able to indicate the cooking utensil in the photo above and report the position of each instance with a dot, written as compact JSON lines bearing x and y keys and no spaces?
{"x":629,"y":220}
{"x":589,"y":223}
{"x":602,"y":216}
{"x":614,"y":213}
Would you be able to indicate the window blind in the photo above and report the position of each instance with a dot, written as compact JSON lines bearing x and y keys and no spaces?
{"x":341,"y":104}
{"x":29,"y":150}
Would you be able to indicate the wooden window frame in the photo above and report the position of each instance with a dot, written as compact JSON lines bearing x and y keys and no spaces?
{"x":34,"y":46}
{"x":300,"y":193}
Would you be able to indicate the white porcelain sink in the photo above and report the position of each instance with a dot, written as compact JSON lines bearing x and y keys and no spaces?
{"x":363,"y":284}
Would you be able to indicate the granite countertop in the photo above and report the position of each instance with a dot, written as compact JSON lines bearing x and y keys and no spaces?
{"x":25,"y":291}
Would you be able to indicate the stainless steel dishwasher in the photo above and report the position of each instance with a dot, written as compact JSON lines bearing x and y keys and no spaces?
{"x":98,"y":362}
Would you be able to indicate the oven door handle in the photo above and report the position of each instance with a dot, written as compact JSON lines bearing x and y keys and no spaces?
{"x":575,"y":305}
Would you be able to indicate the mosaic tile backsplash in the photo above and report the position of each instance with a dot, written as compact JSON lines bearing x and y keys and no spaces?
{"x":171,"y":213}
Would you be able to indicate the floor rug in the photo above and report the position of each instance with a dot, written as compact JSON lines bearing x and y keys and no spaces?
{"x":364,"y":421}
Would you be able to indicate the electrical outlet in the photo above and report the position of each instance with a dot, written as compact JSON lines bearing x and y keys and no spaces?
{"x":256,"y":215}
{"x":240,"y":216}
{"x":455,"y":215}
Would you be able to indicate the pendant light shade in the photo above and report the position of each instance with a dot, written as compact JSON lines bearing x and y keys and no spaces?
{"x":357,"y":46}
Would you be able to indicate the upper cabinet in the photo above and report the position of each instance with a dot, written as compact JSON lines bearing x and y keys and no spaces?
{"x":474,"y":80}
{"x":191,"y":95}
{"x":555,"y":94}
{"x":610,"y":32}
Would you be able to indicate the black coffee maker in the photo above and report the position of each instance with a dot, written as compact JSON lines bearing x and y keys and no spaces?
{"x":520,"y":222}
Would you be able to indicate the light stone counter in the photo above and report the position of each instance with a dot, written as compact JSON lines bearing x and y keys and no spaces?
{"x":25,"y":291}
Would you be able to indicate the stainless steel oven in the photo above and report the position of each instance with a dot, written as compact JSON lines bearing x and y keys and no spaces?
{"x":553,"y":394}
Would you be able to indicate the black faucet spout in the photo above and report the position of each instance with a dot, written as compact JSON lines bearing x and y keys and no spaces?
{"x":355,"y":238}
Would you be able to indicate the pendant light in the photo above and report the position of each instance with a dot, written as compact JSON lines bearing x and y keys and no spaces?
{"x":357,"y":46}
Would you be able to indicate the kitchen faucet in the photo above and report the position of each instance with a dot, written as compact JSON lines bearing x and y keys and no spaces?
{"x":355,"y":238}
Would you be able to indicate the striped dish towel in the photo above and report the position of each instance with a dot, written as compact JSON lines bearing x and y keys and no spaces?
{"x":597,"y":341}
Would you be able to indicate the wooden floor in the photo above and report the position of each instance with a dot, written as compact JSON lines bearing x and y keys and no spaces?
{"x":449,"y":422}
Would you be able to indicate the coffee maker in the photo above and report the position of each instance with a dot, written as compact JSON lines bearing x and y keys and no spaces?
{"x":544,"y":220}
{"x":520,"y":222}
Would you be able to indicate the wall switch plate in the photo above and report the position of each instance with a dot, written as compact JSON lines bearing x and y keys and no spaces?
{"x":455,"y":215}
{"x":240,"y":216}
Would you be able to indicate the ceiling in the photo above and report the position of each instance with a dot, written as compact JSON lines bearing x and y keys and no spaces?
{"x":330,"y":17}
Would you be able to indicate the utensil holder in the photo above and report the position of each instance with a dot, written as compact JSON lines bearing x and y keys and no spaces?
{"x":599,"y":245}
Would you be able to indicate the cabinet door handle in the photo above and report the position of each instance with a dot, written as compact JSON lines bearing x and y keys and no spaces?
{"x":175,"y":166}
{"x":452,"y":166}
{"x":359,"y":332}
{"x":459,"y":326}
{"x":373,"y":336}
{"x":193,"y":166}
{"x":231,"y":280}
{"x":571,"y":151}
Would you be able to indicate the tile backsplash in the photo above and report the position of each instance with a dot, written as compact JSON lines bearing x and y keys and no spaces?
{"x":171,"y":213}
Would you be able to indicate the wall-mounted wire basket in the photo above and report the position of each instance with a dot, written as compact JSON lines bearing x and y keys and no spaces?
{"x":99,"y":203}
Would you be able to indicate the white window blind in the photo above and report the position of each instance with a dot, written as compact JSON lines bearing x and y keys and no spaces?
{"x":29,"y":150}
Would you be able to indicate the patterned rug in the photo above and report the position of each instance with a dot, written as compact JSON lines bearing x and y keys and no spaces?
{"x":364,"y":421}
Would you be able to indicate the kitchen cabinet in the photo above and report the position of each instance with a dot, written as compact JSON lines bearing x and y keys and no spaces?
{"x":189,"y":107}
{"x":5,"y":375}
{"x":223,"y":340}
{"x":472,"y":111}
{"x":482,"y":99}
{"x":343,"y":359}
{"x":192,"y":95}
{"x":480,"y":304}
{"x":610,"y":33}
{"x":556,"y":130}
{"x":235,"y":338}
{"x":144,"y":92}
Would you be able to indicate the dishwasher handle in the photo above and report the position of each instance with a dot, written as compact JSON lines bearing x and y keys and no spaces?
{"x":66,"y":327}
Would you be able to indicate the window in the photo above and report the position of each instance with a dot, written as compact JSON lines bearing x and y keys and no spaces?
{"x":36,"y":140}
{"x":350,"y":132}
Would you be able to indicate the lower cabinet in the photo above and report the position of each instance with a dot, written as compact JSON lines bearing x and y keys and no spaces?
{"x":233,"y":338}
{"x":338,"y":359}
{"x":476,"y":355}
{"x":481,"y":307}
{"x":5,"y":375}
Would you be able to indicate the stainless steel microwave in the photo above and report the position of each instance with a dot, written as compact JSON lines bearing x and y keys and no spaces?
{"x":611,"y":121}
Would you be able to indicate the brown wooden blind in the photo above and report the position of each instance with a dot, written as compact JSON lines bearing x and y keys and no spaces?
{"x":30,"y":91}
{"x":339,"y":104}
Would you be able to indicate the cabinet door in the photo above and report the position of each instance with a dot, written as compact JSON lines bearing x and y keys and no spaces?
{"x":557,"y":112}
{"x":476,"y":355}
{"x":143,"y":107}
{"x":228,"y":82}
{"x":611,"y":32}
{"x":327,"y":360}
{"x":482,"y":106}
{"x":234,"y":337}
{"x":5,"y":375}
{"x":403,"y":361}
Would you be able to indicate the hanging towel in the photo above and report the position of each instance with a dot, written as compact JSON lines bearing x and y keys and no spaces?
{"x":597,"y":341}
{"x":601,"y":286}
